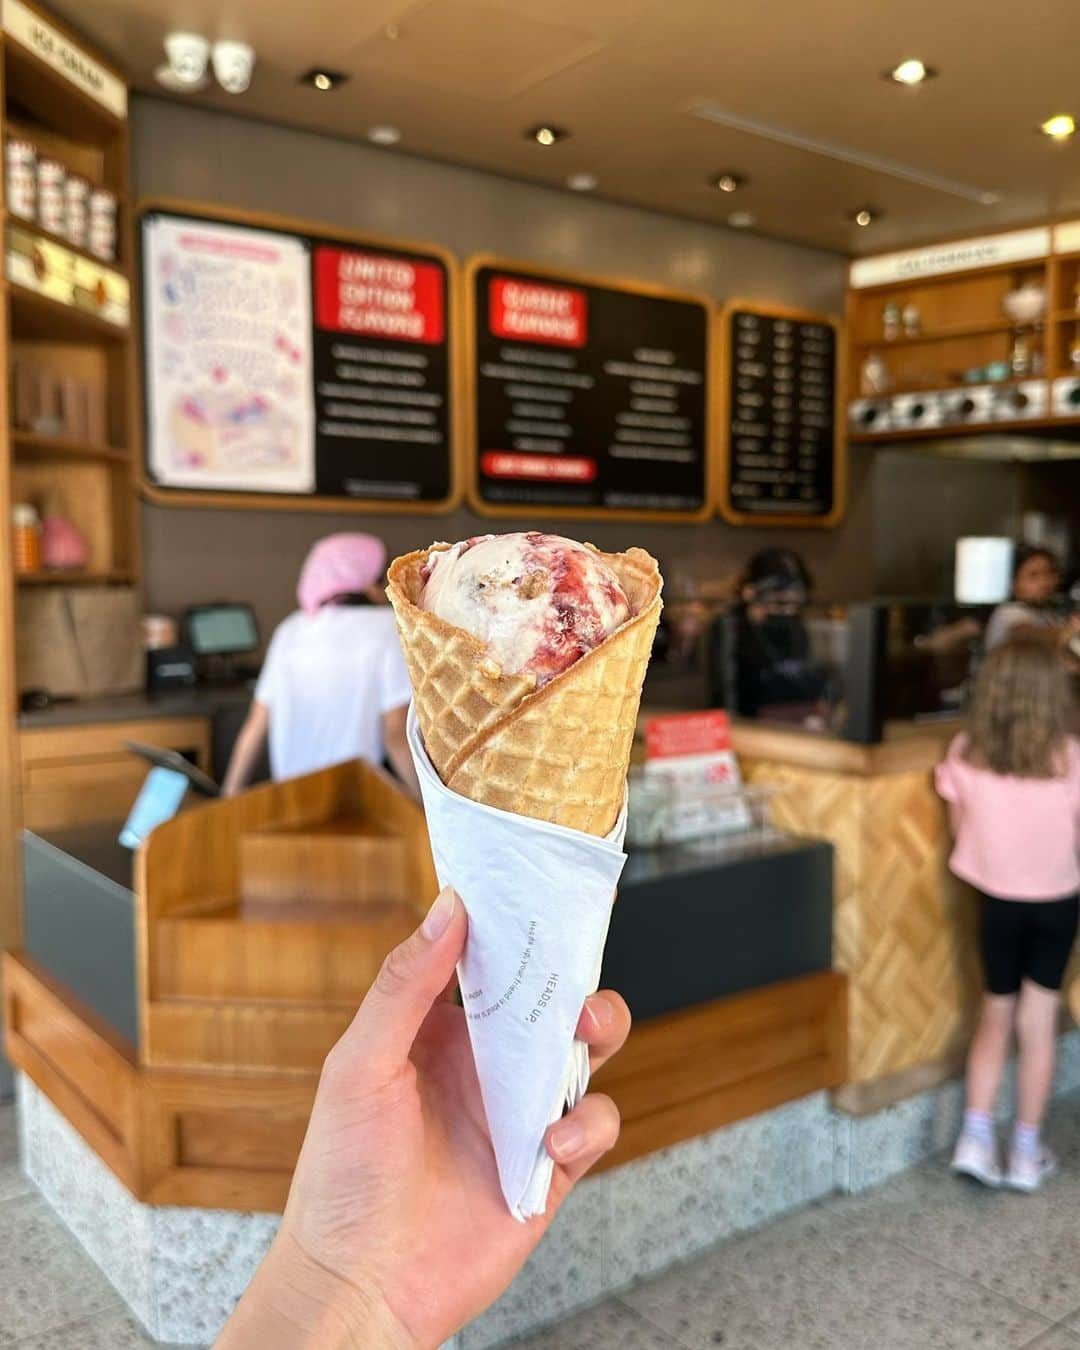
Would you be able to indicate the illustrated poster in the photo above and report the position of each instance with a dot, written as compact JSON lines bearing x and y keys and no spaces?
{"x":228,"y":333}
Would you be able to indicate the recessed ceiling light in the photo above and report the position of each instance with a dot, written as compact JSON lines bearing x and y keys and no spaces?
{"x":741,"y":220}
{"x":728,"y":182}
{"x":546,"y":135}
{"x":323,"y":80}
{"x":581,"y":182}
{"x":384,"y":135}
{"x":865,"y":215}
{"x":910,"y":72}
{"x":1059,"y":127}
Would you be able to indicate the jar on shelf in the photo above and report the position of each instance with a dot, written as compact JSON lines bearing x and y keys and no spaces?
{"x":911,"y":320}
{"x":76,"y":209}
{"x":26,"y":538}
{"x":21,"y":180}
{"x":50,"y":194}
{"x":102,"y":240}
{"x":890,"y":321}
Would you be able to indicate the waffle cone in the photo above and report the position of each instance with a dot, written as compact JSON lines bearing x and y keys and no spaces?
{"x":557,"y":753}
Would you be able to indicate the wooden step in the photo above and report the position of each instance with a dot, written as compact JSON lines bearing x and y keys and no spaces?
{"x":336,"y":861}
{"x":283,"y":951}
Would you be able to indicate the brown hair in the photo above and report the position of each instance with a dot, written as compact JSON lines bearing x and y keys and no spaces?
{"x":1020,"y":712}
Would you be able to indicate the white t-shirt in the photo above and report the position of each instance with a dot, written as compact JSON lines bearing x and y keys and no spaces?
{"x":327,"y":680}
{"x":1015,"y":614}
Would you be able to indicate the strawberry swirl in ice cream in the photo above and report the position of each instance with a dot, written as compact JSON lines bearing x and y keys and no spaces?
{"x":539,"y":601}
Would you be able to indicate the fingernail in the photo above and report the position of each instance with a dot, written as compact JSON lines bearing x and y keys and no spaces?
{"x":437,"y":919}
{"x":566,"y":1139}
{"x":600,"y":1010}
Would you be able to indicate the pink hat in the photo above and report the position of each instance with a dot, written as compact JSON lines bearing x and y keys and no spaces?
{"x":340,"y":564}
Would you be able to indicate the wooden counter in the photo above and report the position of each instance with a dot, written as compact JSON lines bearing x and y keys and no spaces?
{"x":904,"y":927}
{"x":177,"y":1011}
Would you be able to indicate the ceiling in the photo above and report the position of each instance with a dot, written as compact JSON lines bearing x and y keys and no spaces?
{"x":795,"y":91}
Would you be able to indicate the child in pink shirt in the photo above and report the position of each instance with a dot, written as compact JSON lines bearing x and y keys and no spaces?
{"x":1013,"y":788}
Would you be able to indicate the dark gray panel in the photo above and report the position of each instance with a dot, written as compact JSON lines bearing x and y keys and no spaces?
{"x":686,"y":930}
{"x":80,"y":922}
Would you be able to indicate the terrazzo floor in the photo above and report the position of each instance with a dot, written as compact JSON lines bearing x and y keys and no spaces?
{"x":924,"y":1262}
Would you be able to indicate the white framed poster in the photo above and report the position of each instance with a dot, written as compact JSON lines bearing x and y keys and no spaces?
{"x":228,"y":356}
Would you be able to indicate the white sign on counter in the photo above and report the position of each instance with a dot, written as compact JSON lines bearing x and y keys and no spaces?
{"x":228,"y":357}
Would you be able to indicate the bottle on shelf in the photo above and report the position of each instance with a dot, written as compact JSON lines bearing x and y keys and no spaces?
{"x":1020,"y":358}
{"x":890,"y":321}
{"x":911,"y":320}
{"x":873,"y":375}
{"x":26,"y":538}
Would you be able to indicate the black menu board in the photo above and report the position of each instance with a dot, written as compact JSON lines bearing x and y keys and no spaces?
{"x":784,"y":461}
{"x":586,"y":397}
{"x":283,"y":362}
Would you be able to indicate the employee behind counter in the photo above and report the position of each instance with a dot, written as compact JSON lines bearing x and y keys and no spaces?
{"x":760,"y":659}
{"x":334,"y":684}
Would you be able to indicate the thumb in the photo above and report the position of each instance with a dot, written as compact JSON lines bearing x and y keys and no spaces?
{"x":410,"y":980}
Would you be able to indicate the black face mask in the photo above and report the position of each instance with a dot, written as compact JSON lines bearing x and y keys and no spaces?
{"x":783,"y":637}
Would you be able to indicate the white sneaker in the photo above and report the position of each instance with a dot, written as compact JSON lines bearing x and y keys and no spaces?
{"x":974,"y":1158}
{"x":1027,"y":1172}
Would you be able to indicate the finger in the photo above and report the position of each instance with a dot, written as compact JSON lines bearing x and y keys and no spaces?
{"x":604,"y":1025}
{"x":410,"y":980}
{"x":583,"y":1136}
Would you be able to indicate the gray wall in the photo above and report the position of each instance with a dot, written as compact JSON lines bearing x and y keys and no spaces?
{"x":922,"y":505}
{"x":194,"y":554}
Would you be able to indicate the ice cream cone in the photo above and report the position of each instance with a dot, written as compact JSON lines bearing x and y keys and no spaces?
{"x":557,"y":753}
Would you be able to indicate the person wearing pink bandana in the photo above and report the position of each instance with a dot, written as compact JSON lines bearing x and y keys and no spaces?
{"x":334,"y":684}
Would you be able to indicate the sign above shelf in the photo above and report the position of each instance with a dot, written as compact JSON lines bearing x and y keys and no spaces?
{"x":34,"y":32}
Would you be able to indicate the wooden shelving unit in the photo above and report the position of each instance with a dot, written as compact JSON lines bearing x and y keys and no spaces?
{"x":77,"y":335}
{"x":964,"y":341}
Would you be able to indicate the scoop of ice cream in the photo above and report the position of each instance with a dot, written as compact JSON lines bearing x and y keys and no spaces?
{"x":539,"y":601}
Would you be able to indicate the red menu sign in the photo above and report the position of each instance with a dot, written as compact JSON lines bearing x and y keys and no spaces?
{"x":692,"y":733}
{"x":536,"y":312}
{"x":379,"y":295}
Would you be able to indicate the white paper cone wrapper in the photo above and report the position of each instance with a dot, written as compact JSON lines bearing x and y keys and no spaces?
{"x":539,"y":899}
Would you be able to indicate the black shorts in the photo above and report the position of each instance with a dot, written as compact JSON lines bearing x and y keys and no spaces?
{"x":1026,"y":940}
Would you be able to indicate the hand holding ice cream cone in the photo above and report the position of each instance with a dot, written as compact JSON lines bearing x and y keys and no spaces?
{"x":527,"y":653}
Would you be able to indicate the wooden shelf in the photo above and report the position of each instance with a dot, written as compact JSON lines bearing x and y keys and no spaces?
{"x":59,"y":577}
{"x":32,"y":227}
{"x":51,"y":99}
{"x":1036,"y":427}
{"x":37,"y":316}
{"x":31,"y":445}
{"x":950,"y":387}
{"x":965,"y":330}
{"x":1066,"y":316}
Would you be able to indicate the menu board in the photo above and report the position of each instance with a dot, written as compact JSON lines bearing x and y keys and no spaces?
{"x":282,"y":361}
{"x":784,"y":458}
{"x":586,"y":397}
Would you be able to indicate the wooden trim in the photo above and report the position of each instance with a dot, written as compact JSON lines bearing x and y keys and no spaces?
{"x":77,"y":1059}
{"x":229,"y":1141}
{"x":692,"y":1071}
{"x":134,"y":1120}
{"x":283,"y":501}
{"x":921,"y":749}
{"x":469,"y":384}
{"x":722,"y":459}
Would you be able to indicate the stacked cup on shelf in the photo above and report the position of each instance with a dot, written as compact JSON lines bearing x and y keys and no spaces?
{"x":40,"y":188}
